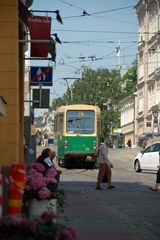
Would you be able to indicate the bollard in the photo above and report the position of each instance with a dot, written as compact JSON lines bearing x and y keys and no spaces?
{"x":16,"y":180}
{"x":1,"y":197}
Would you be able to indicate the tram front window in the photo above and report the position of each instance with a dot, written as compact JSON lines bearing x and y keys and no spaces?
{"x":80,"y":122}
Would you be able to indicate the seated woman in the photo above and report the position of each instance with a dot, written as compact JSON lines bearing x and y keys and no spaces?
{"x":45,"y":158}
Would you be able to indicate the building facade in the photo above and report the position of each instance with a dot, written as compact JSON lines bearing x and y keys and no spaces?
{"x":128,"y":118}
{"x":11,"y":83}
{"x":148,"y":75}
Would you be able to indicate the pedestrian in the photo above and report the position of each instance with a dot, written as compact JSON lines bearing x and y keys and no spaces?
{"x":46,"y":139}
{"x":129,"y":143}
{"x":104,"y":166}
{"x":45,"y":158}
{"x":155,"y":188}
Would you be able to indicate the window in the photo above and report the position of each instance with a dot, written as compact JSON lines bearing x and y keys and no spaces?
{"x":80,"y":121}
{"x":149,"y":149}
{"x":140,"y":57}
{"x":158,"y":84}
{"x":156,"y":147}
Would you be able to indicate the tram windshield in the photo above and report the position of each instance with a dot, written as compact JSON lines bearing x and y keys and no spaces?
{"x":80,"y":121}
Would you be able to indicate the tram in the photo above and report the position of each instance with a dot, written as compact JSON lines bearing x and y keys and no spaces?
{"x":77,"y":133}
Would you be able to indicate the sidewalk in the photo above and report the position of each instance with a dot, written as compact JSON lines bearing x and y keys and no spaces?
{"x":125,"y":153}
{"x":130,"y":211}
{"x":95,"y":217}
{"x":91,"y":222}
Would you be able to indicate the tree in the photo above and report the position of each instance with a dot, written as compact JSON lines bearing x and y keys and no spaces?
{"x":103,"y":88}
{"x":130,"y":80}
{"x":99,"y":87}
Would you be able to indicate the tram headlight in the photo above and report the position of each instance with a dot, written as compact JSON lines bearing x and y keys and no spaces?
{"x":65,"y":144}
{"x":95,"y":145}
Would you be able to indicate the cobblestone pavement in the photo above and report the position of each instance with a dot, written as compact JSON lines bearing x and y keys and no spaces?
{"x":130,"y":211}
{"x":114,"y":214}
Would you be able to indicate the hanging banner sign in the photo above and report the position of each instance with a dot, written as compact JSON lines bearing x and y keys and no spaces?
{"x":40,"y":29}
{"x":41,"y":76}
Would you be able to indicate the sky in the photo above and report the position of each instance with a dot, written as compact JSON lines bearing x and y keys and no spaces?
{"x":89,"y":41}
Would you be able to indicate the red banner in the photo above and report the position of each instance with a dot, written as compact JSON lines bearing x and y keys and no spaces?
{"x":40,"y":28}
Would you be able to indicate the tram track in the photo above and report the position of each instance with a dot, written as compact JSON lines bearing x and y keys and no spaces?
{"x":82,"y":172}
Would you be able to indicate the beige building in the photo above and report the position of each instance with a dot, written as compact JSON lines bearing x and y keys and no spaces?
{"x":11,"y":83}
{"x":148,"y":82}
{"x":128,"y":118}
{"x":14,"y":77}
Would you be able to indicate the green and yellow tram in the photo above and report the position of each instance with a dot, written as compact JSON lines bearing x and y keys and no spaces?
{"x":77,"y":131}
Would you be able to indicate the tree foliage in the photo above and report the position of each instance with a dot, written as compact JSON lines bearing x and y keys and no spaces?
{"x":103,"y":88}
{"x":130,"y":80}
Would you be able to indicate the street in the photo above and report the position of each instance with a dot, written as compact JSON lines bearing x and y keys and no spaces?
{"x":130,"y":211}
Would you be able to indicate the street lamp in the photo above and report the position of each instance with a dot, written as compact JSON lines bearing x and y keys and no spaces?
{"x":155,"y":121}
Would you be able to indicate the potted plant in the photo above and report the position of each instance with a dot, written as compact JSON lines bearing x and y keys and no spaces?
{"x":41,"y":190}
{"x":19,"y":227}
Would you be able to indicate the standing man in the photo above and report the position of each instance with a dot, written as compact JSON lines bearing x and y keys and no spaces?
{"x":104,"y":166}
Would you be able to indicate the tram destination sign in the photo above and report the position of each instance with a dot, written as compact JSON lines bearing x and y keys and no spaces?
{"x":41,"y":76}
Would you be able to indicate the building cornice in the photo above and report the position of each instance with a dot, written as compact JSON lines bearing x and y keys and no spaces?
{"x":141,"y":46}
{"x":128,"y":98}
{"x":152,"y":40}
{"x":140,"y":84}
{"x":140,"y":116}
{"x":155,"y":107}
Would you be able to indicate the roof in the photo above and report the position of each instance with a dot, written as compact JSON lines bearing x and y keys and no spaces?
{"x":77,"y":107}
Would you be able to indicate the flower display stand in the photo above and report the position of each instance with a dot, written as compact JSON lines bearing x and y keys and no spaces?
{"x":37,"y":207}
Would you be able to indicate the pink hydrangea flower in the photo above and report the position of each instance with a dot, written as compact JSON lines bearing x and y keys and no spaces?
{"x":48,"y":216}
{"x":27,"y":187}
{"x":40,"y":167}
{"x":37,"y":183}
{"x":51,"y":172}
{"x":50,"y":179}
{"x":31,"y":165}
{"x":40,"y":183}
{"x":66,"y":233}
{"x":44,"y":193}
{"x":31,"y":172}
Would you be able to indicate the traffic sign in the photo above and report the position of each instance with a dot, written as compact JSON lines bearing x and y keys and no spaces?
{"x":41,"y":76}
{"x":41,"y":98}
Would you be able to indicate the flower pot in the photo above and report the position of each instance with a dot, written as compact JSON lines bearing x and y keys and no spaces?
{"x":37,"y":207}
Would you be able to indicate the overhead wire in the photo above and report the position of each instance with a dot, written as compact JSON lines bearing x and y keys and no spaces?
{"x":114,"y":20}
{"x":100,"y":31}
{"x":100,"y":12}
{"x":70,"y":4}
{"x":85,"y":59}
{"x":96,"y":42}
{"x":93,"y":42}
{"x":97,"y":59}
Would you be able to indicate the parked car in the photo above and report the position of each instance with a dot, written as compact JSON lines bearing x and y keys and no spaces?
{"x":148,"y":158}
{"x":142,"y":139}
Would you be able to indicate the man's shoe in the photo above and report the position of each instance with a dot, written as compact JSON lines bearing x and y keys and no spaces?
{"x":110,"y":187}
{"x":153,"y":189}
{"x":99,"y":188}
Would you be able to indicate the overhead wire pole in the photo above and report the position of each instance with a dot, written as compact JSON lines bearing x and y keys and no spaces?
{"x":70,"y":90}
